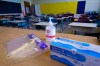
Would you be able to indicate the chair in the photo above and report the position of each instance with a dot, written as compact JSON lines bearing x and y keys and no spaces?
{"x":65,"y":23}
{"x":19,"y":25}
{"x":5,"y":22}
{"x":54,"y":21}
{"x":12,"y":18}
{"x":98,"y":23}
{"x":45,"y":18}
{"x":27,"y":23}
{"x":71,"y":17}
{"x":64,"y":15}
{"x":93,"y":15}
{"x":83,"y":15}
{"x":84,"y":20}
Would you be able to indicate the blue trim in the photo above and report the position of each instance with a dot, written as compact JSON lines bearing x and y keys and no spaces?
{"x":62,"y":60}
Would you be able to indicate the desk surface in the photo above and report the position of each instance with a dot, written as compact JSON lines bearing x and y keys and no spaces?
{"x":65,"y":17}
{"x":60,"y":18}
{"x":33,"y":20}
{"x":44,"y":23}
{"x":4,"y":19}
{"x":7,"y":34}
{"x":19,"y":17}
{"x":83,"y":24}
{"x":17,"y":21}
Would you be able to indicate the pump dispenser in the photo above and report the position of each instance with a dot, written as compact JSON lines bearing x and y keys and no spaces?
{"x":50,"y":22}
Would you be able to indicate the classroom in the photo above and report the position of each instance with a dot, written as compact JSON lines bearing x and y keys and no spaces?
{"x":49,"y":32}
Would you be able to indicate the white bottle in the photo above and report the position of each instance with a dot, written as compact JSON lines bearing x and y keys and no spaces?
{"x":50,"y":31}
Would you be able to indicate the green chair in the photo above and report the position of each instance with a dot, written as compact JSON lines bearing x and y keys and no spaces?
{"x":5,"y":22}
{"x":98,"y":23}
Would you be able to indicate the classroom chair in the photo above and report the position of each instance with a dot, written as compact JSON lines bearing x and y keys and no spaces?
{"x":54,"y":21}
{"x":98,"y":23}
{"x":26,"y":24}
{"x":5,"y":22}
{"x":65,"y":23}
{"x":19,"y":25}
{"x":84,"y":20}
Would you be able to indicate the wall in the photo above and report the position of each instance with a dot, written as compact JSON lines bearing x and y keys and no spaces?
{"x":37,"y":10}
{"x":37,"y":2}
{"x":99,"y":10}
{"x":18,"y":1}
{"x":52,"y":1}
{"x":92,"y":5}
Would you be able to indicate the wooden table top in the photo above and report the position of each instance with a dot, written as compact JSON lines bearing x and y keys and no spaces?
{"x":7,"y":34}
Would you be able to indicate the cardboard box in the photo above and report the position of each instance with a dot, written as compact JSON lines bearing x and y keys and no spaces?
{"x":75,"y":53}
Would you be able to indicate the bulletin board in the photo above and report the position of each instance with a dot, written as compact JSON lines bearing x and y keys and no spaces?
{"x":58,"y":8}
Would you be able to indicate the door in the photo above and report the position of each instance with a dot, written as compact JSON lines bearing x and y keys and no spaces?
{"x":27,"y":8}
{"x":81,"y":7}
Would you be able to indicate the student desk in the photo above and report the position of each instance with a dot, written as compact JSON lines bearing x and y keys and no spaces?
{"x":85,"y":27}
{"x":44,"y":23}
{"x":19,"y":17}
{"x":84,"y":24}
{"x":60,"y":18}
{"x":33,"y":20}
{"x":17,"y":21}
{"x":7,"y":34}
{"x":4,"y":19}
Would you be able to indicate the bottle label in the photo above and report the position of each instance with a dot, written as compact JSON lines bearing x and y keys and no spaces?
{"x":50,"y":34}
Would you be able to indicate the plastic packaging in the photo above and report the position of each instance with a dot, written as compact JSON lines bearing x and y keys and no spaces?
{"x":50,"y":31}
{"x":75,"y":53}
{"x":24,"y":47}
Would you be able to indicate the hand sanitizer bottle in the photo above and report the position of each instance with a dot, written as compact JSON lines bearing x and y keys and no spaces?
{"x":50,"y":31}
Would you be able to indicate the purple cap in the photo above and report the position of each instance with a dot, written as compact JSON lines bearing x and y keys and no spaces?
{"x":38,"y":41}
